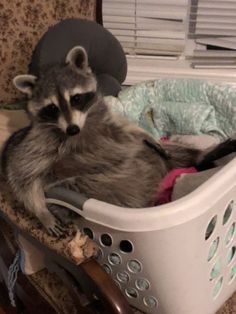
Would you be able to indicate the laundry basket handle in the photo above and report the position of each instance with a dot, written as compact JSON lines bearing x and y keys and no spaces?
{"x":66,"y":198}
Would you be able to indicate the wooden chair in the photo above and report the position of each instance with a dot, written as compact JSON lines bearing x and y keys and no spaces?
{"x":89,"y":288}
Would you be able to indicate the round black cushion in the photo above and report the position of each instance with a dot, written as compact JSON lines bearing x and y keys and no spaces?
{"x":105,"y":54}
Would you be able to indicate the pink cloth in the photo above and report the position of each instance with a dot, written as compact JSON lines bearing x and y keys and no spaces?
{"x":164,"y":193}
{"x":164,"y":139}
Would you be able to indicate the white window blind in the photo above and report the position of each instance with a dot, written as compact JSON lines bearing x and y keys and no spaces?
{"x":175,"y":38}
{"x":212,"y":26}
{"x":147,"y":27}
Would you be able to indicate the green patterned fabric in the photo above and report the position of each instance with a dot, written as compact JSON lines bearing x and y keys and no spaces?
{"x":179,"y":106}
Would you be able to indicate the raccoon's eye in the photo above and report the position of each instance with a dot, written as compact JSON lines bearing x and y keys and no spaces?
{"x":51,"y":109}
{"x":80,"y":100}
{"x":50,"y":112}
{"x":75,"y":100}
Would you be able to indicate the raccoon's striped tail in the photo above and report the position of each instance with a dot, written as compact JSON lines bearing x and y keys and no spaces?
{"x":223,"y":149}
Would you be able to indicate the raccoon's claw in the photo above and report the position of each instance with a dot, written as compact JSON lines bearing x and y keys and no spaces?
{"x":57,"y":230}
{"x":54,"y":226}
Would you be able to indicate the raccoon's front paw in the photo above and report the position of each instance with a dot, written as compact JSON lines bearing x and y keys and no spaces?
{"x":53,"y":225}
{"x":56,"y":228}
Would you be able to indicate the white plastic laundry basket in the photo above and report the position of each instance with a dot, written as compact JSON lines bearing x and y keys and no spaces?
{"x":178,"y":258}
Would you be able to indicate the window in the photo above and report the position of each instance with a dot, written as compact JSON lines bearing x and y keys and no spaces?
{"x":182,"y":38}
{"x":212,"y":27}
{"x":147,"y":27}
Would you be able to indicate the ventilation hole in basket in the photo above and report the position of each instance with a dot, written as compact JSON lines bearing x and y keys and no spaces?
{"x":215,"y":270}
{"x":142,"y":284}
{"x":126,"y":246}
{"x":231,"y":255}
{"x":106,"y":239}
{"x":118,"y":284}
{"x":217,"y":287}
{"x":230,"y":234}
{"x":211,"y":227}
{"x":134,"y":266}
{"x":228,"y":212}
{"x":123,"y":277}
{"x":88,"y":232}
{"x":107,"y":269}
{"x":232,"y":273}
{"x":131,"y":293}
{"x":150,"y":301}
{"x":213,"y":248}
{"x":114,"y":259}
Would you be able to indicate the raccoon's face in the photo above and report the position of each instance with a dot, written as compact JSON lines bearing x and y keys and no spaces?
{"x":62,"y":94}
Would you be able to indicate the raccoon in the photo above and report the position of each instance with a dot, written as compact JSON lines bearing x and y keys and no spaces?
{"x":74,"y":139}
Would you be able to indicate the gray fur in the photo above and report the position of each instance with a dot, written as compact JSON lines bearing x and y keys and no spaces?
{"x":108,"y":160}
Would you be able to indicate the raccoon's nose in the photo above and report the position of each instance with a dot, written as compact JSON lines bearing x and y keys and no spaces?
{"x":72,"y":130}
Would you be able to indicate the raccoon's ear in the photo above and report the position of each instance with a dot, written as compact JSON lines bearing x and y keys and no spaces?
{"x":78,"y":57}
{"x":25,"y":83}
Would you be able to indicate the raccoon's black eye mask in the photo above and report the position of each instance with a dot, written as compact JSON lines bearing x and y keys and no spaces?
{"x":49,"y":113}
{"x":80,"y":101}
